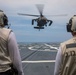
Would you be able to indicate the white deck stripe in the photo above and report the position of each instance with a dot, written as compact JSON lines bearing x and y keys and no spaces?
{"x":39,"y":61}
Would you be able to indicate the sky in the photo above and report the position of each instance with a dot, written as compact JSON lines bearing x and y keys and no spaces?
{"x":21,"y":25}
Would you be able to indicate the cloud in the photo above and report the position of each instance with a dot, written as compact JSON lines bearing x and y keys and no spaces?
{"x":51,"y":6}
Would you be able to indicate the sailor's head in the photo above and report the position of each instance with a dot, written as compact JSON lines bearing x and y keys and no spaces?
{"x":71,"y":27}
{"x":3,"y":19}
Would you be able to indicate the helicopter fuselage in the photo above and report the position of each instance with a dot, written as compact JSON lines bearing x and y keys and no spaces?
{"x":41,"y":22}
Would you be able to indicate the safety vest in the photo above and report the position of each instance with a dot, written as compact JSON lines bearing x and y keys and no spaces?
{"x":69,"y":57}
{"x":4,"y":53}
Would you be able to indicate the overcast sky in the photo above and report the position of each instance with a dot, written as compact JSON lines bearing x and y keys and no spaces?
{"x":21,"y":25}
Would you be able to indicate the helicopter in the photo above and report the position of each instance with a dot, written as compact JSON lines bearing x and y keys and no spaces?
{"x":41,"y":20}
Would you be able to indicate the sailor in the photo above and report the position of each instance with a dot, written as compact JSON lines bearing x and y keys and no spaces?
{"x":9,"y":52}
{"x":66,"y":57}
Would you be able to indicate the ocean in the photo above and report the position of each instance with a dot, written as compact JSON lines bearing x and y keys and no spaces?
{"x":38,"y":58}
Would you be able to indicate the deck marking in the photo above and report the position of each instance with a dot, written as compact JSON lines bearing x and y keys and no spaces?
{"x":39,"y":61}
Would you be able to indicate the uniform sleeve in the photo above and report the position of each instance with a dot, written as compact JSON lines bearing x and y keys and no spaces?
{"x":14,"y":53}
{"x":58,"y":62}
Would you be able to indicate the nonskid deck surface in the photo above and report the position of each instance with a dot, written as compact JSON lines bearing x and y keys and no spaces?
{"x":38,"y":59}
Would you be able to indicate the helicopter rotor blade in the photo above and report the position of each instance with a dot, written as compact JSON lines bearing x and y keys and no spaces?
{"x":58,"y":15}
{"x":28,"y":15}
{"x":40,"y":8}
